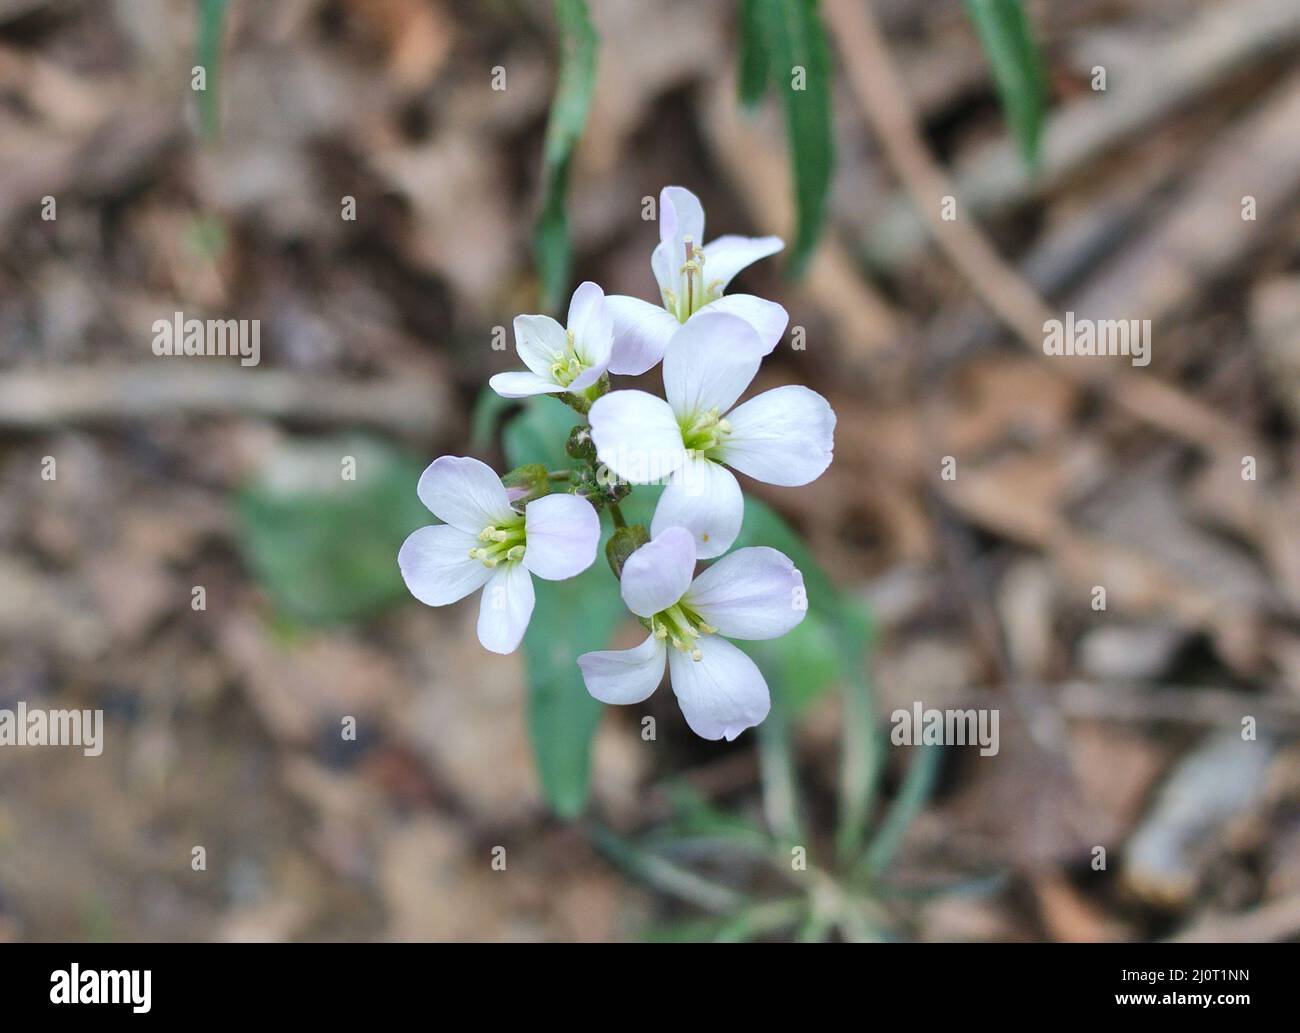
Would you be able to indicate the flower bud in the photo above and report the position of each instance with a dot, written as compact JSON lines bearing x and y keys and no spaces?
{"x":525,"y":483}
{"x":580,"y":446}
{"x":622,"y":543}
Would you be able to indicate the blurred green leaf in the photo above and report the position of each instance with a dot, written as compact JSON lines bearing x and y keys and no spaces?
{"x":325,"y":548}
{"x":1008,"y":42}
{"x":799,"y":65}
{"x":212,"y":23}
{"x":538,"y":433}
{"x":570,"y":617}
{"x":489,"y":407}
{"x":577,"y":81}
{"x":753,"y":60}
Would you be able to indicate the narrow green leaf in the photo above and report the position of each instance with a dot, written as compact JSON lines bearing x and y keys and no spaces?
{"x":800,"y":67}
{"x":666,"y":876}
{"x":752,"y":63}
{"x":576,"y":83}
{"x":212,"y":23}
{"x":912,"y":796}
{"x":1008,"y":42}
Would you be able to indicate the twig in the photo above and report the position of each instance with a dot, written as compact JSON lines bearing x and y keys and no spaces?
{"x":38,"y":399}
{"x":1176,"y":704}
{"x":880,"y":93}
{"x":1211,"y":49}
{"x":1279,"y":920}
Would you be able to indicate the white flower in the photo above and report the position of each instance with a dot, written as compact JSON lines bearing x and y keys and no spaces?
{"x":559,"y":359}
{"x":784,"y":436}
{"x":754,"y":593}
{"x":691,"y":280}
{"x":484,"y":541}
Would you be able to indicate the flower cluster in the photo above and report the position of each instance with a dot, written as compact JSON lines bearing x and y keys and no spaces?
{"x":499,"y":532}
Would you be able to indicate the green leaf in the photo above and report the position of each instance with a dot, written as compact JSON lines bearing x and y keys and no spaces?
{"x":212,"y":23}
{"x":795,"y":42}
{"x":577,"y":81}
{"x":752,"y":63}
{"x":1008,"y":43}
{"x":570,"y":618}
{"x":324,"y":548}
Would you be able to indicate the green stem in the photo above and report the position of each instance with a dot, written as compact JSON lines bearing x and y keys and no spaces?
{"x":559,"y":475}
{"x":776,"y":767}
{"x":617,"y":515}
{"x":578,"y":403}
{"x":861,"y":755}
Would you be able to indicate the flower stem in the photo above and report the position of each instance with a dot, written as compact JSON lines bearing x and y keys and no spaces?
{"x":577,"y":402}
{"x":617,"y":514}
{"x":559,"y":475}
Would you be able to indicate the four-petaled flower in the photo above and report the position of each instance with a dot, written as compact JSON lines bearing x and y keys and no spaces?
{"x":484,"y":540}
{"x":559,"y":359}
{"x":691,"y":280}
{"x":755,"y":593}
{"x":783,"y":436}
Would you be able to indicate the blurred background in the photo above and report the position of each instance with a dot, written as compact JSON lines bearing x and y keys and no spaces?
{"x":1121,"y":728}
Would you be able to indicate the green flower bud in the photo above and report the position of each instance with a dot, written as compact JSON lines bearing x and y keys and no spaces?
{"x":622,"y":543}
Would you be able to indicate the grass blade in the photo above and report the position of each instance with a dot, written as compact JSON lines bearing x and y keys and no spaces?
{"x":577,"y":81}
{"x":1008,"y":43}
{"x":800,"y":67}
{"x":212,"y":23}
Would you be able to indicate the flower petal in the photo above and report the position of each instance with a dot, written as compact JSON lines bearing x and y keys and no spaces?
{"x":539,"y":340}
{"x":521,"y":384}
{"x":592,"y":325}
{"x":766,"y":317}
{"x":505,"y":608}
{"x":709,"y":363}
{"x":722,"y":693}
{"x":624,"y":675}
{"x":666,"y":261}
{"x":641,"y":332}
{"x":680,"y":215}
{"x":751,"y":593}
{"x":436,"y":565}
{"x":658,"y":573}
{"x":703,"y":497}
{"x":636,"y":436}
{"x":463,"y":492}
{"x":729,"y":254}
{"x":784,"y":436}
{"x":563,"y":532}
